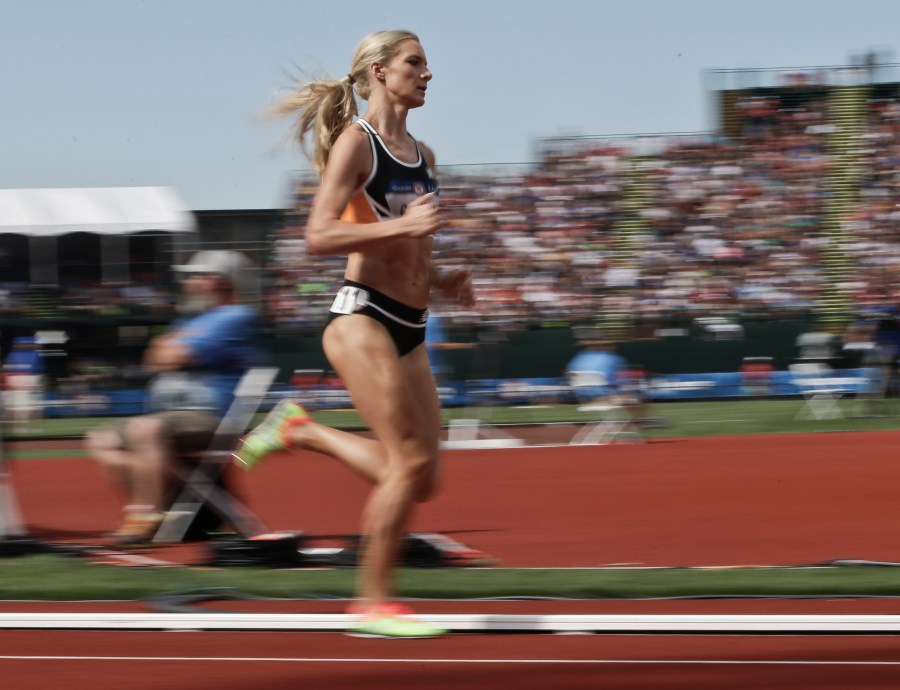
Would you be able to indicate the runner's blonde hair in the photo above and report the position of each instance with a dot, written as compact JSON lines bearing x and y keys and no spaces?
{"x":326,"y":107}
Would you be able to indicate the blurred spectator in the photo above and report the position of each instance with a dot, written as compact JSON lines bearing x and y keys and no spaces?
{"x":598,"y":375}
{"x":23,"y":372}
{"x":819,"y":346}
{"x":594,"y":372}
{"x":197,"y":364}
{"x":886,"y":338}
{"x":438,"y":343}
{"x":756,"y":376}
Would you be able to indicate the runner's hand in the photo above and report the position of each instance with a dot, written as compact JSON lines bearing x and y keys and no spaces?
{"x":421,"y":217}
{"x":457,"y":285}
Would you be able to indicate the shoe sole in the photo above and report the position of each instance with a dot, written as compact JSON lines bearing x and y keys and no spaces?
{"x":374,"y":636}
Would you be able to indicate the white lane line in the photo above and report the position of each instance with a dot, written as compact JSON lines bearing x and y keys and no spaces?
{"x":351,"y":660}
{"x":870,"y":623}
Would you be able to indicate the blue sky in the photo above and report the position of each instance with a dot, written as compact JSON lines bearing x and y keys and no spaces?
{"x":170,"y":92}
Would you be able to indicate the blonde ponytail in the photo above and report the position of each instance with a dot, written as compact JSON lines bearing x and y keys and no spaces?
{"x":324,"y":108}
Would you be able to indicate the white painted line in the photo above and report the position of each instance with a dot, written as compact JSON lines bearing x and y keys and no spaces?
{"x":869,"y":623}
{"x":482,"y":444}
{"x":354,"y":660}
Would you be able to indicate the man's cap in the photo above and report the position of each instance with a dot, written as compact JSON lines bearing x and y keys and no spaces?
{"x":226,"y":263}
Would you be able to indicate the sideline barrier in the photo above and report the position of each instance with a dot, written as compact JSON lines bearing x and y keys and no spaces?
{"x":489,"y":623}
{"x":662,"y":387}
{"x":477,"y":393}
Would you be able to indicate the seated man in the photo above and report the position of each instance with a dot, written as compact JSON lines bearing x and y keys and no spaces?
{"x":196,"y":366}
{"x":594,"y":372}
{"x":600,"y":376}
{"x":601,"y":381}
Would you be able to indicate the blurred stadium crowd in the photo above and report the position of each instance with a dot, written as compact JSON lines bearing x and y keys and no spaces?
{"x":660,"y":229}
{"x":722,"y":227}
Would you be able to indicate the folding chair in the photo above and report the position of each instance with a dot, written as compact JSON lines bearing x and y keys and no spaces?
{"x":821,"y":390}
{"x":200,"y":486}
{"x":616,"y":421}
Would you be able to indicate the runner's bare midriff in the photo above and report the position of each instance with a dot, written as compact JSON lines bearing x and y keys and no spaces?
{"x":399,"y":269}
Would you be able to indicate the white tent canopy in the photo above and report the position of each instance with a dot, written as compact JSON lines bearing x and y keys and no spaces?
{"x":112,"y":212}
{"x":99,"y":210}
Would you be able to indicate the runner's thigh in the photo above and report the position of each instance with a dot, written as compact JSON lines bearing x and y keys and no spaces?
{"x":364,"y":356}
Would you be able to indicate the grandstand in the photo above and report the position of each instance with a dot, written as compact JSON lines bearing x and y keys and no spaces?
{"x":783,"y":219}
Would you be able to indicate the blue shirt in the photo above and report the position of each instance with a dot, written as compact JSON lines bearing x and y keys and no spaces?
{"x":600,"y":372}
{"x":222,"y":346}
{"x":27,"y":362}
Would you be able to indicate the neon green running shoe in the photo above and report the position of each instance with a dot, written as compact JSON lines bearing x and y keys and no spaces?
{"x":392,"y":626}
{"x":271,"y":434}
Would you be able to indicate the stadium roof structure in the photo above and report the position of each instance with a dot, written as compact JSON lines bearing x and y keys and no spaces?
{"x":98,"y":210}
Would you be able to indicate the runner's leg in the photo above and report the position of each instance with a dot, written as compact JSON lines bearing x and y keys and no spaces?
{"x":363,"y":355}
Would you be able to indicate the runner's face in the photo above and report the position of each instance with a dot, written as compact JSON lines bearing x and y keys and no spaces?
{"x":406,"y":75}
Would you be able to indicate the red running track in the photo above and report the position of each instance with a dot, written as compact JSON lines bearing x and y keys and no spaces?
{"x":761,"y":500}
{"x":261,"y":661}
{"x":757,"y":500}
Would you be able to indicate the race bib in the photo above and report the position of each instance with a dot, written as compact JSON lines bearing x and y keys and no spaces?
{"x":349,"y":299}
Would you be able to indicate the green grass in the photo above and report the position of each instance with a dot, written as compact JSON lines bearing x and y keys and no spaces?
{"x":50,"y":577}
{"x":682,"y":419}
{"x":724,"y":418}
{"x":46,"y":577}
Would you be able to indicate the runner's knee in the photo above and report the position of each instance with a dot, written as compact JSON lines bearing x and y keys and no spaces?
{"x":419,"y":472}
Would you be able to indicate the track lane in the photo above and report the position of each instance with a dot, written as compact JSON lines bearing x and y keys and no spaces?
{"x":145,"y":661}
